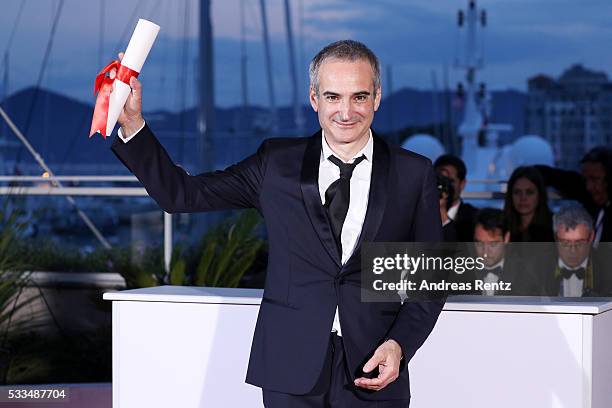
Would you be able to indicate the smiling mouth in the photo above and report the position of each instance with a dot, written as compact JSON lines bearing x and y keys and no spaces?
{"x":345,"y":124}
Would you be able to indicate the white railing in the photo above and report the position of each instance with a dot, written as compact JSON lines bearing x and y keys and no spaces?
{"x":49,"y":189}
{"x":69,"y":178}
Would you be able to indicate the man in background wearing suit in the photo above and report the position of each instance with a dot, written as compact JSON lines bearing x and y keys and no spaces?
{"x":579,"y":270}
{"x":514,"y":263}
{"x":490,"y":236}
{"x":321,"y":197}
{"x":461,"y":215}
{"x":592,"y":188}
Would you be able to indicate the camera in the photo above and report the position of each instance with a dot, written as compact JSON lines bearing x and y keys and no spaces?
{"x":445,"y":186}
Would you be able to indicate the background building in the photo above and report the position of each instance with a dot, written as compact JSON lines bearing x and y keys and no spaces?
{"x":572,"y":112}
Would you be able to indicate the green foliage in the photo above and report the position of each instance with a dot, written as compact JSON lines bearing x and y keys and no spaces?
{"x":13,"y":279}
{"x":225,"y":253}
{"x":144,"y":272}
{"x":228,"y":251}
{"x":48,"y":255}
{"x":147,"y":268}
{"x":178,"y":272}
{"x":10,"y":229}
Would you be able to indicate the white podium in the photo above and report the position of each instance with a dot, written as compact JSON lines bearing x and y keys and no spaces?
{"x":188,"y":347}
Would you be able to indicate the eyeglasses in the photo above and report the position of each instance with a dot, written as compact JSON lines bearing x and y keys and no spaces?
{"x":579,"y":244}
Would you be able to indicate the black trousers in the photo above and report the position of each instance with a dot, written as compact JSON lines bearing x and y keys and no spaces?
{"x":334,"y":388}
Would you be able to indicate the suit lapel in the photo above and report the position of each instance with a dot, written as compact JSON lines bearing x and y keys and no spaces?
{"x":377,"y":198}
{"x":309,"y":183}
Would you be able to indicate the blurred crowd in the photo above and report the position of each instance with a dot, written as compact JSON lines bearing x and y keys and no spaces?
{"x":563,"y":253}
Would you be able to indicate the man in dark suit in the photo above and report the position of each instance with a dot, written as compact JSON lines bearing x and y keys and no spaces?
{"x":511,"y":263}
{"x":578,"y":269}
{"x":461,"y":215}
{"x":592,"y":188}
{"x":490,"y":236}
{"x":321,"y":197}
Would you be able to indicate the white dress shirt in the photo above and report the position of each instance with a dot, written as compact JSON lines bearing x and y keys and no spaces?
{"x":490,"y":277}
{"x":452,"y":212}
{"x":358,"y":203}
{"x":572,"y":286}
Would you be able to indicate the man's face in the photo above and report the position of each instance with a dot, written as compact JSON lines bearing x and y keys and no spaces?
{"x":574,"y":244}
{"x":346,"y":101}
{"x":595,"y":182}
{"x":458,"y":185}
{"x":490,"y":244}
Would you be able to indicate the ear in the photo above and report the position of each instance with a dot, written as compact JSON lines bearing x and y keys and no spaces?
{"x":592,"y":236}
{"x":462,"y":185}
{"x":314,"y":102}
{"x":377,"y":99}
{"x":507,"y":237}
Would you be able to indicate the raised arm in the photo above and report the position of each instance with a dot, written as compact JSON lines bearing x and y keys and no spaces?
{"x":174,"y":190}
{"x":171,"y":186}
{"x":568,"y":183}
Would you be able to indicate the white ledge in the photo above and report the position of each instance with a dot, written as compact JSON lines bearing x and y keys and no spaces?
{"x":189,"y":294}
{"x":530,"y":304}
{"x":521,"y":304}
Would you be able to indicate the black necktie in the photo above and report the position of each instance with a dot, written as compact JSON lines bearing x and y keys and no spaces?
{"x":497,"y":271}
{"x":338,"y":195}
{"x":567,"y":273}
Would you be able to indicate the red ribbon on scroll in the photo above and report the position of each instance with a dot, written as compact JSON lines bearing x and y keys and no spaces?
{"x":103,"y":88}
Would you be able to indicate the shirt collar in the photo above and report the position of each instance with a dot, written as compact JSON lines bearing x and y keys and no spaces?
{"x":367,"y":151}
{"x":452,"y":212}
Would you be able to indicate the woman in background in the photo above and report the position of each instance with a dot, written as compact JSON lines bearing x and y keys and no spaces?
{"x":526,"y":207}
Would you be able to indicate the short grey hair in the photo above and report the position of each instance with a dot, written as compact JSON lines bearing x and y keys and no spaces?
{"x":345,"y":50}
{"x":572,"y":216}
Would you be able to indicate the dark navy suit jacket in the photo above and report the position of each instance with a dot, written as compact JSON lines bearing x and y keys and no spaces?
{"x":305,"y":279}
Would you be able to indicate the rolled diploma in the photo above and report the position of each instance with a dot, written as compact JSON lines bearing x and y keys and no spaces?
{"x":135,"y":56}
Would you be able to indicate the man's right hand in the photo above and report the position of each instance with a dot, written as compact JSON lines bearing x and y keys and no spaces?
{"x":131,"y":118}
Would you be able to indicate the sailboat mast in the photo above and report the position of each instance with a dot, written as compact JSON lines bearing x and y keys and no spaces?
{"x":295,"y":96}
{"x":245,"y":118}
{"x":264,"y":23}
{"x":4,"y":100}
{"x":206,"y":91}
